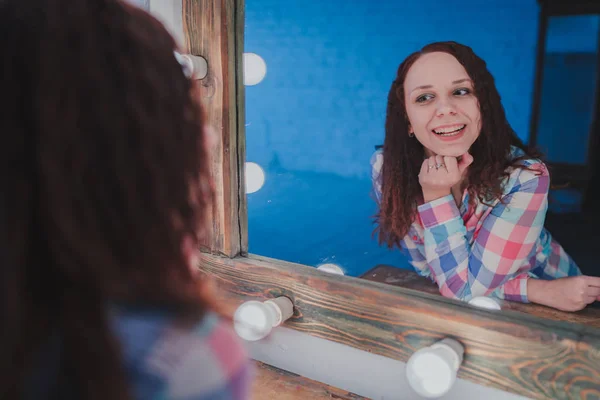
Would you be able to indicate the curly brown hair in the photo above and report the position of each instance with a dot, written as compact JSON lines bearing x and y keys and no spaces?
{"x":403,"y":155}
{"x":106,"y":176}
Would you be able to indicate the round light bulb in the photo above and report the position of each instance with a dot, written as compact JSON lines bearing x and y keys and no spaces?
{"x":253,"y":320}
{"x":431,"y":371}
{"x":255,"y":177}
{"x":255,"y":69}
{"x":331,"y":268}
{"x":485,"y":302}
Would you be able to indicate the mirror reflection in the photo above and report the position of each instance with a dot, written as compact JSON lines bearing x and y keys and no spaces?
{"x":389,"y":144}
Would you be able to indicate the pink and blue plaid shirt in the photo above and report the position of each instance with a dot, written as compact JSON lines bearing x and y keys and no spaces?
{"x":481,"y":250}
{"x":168,"y":359}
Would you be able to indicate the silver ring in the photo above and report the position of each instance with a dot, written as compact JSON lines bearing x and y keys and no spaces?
{"x":438,"y":166}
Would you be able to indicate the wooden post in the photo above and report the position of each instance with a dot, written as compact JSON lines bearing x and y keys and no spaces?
{"x":213,"y":29}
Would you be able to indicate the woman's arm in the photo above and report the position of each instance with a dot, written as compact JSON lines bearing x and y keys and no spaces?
{"x":511,"y":290}
{"x":504,"y":243}
{"x":514,"y":288}
{"x":566,"y":294}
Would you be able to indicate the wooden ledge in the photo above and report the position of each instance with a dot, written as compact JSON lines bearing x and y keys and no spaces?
{"x":411,"y":280}
{"x":520,"y":353}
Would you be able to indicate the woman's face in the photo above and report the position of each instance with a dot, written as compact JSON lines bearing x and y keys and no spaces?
{"x":441,"y":106}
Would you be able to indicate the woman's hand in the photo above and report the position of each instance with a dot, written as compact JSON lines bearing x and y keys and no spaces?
{"x":566,"y":294}
{"x":439,"y":173}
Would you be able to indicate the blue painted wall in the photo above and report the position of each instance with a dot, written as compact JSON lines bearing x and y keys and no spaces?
{"x":313,"y":122}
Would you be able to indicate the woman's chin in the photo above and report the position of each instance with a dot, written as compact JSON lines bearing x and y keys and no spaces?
{"x":447,"y":151}
{"x":452,"y":152}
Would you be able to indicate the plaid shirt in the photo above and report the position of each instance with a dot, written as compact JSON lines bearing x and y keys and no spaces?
{"x":165,"y":359}
{"x":480,"y":250}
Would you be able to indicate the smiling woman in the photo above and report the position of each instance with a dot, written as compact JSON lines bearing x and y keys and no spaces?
{"x":461,"y":195}
{"x":441,"y":105}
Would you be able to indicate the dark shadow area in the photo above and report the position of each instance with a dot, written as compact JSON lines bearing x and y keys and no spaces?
{"x":566,"y":124}
{"x":578,"y":233}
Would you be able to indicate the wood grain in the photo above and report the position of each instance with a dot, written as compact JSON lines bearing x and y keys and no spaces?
{"x":411,"y":280}
{"x":275,"y":383}
{"x":508,"y":350}
{"x":213,"y":29}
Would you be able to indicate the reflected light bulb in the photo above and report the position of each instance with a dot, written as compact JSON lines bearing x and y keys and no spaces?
{"x":331,"y":268}
{"x":255,"y":69}
{"x":431,"y":371}
{"x":254,"y":320}
{"x":485,"y":302}
{"x":255,"y":177}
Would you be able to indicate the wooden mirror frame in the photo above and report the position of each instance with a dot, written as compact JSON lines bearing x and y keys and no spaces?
{"x":543,"y":355}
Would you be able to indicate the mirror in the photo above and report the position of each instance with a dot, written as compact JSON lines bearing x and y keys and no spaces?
{"x":316,"y":117}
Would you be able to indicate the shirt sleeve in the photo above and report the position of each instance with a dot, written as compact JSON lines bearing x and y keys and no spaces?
{"x":515,"y":289}
{"x":206,"y":363}
{"x":231,"y":363}
{"x":506,"y":240}
{"x":376,"y":165}
{"x":493,"y":264}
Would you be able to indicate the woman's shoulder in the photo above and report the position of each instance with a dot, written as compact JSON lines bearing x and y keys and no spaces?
{"x":525,"y":169}
{"x":186,"y":359}
{"x":522,"y":162}
{"x":376,"y":162}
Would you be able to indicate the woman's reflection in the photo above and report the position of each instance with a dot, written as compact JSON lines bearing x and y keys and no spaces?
{"x":461,"y":195}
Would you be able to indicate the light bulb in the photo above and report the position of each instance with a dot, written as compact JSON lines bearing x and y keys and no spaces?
{"x":431,"y":371}
{"x":485,"y":302}
{"x":255,"y":177}
{"x":331,"y":268}
{"x":255,"y":69}
{"x":254,"y":320}
{"x":194,"y":67}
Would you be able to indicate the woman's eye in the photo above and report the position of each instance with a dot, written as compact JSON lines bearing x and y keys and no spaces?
{"x":423,"y":98}
{"x":462,"y":92}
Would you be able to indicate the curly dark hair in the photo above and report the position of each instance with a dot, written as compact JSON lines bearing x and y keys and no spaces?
{"x":106,"y":176}
{"x":403,"y":155}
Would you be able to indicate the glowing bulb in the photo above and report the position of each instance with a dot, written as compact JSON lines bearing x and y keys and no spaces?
{"x":431,"y":371}
{"x":255,"y":177}
{"x":254,"y":320}
{"x":331,"y":268}
{"x":485,"y":302}
{"x":255,"y":69}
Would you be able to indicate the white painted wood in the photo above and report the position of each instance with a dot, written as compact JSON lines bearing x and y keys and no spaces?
{"x":357,"y":371}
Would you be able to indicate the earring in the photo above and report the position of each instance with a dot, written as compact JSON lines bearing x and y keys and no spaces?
{"x":411,"y":134}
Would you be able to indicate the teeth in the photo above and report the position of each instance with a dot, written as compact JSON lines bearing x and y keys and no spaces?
{"x":450,"y":131}
{"x":449,"y":134}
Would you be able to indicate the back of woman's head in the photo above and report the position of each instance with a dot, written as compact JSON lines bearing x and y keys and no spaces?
{"x":107,"y":178}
